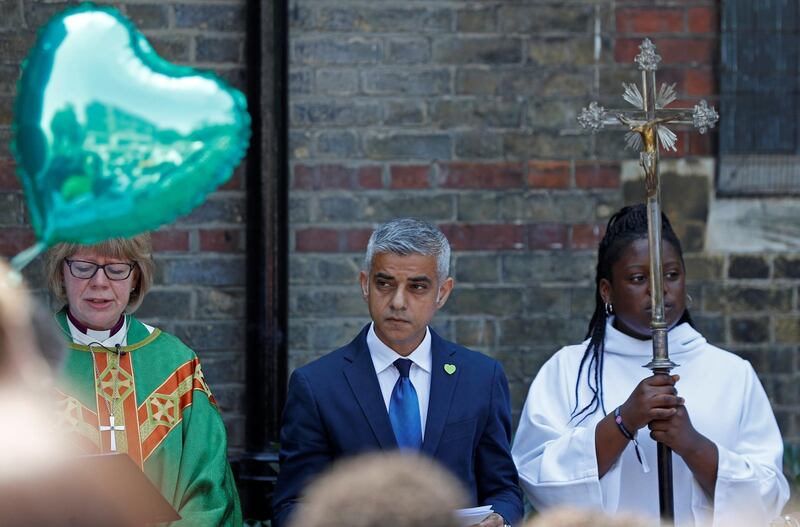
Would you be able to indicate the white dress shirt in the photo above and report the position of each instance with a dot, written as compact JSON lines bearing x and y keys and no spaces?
{"x":383,"y":358}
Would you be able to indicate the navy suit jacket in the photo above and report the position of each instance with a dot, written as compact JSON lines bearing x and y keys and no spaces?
{"x":335,"y":409}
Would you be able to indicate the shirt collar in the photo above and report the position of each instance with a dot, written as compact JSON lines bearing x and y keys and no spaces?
{"x":383,"y":356}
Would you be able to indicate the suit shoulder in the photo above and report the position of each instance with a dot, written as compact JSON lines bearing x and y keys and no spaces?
{"x":483,"y":361}
{"x":323,"y":365}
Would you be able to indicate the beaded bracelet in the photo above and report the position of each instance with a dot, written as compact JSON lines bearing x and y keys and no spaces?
{"x":630,"y":437}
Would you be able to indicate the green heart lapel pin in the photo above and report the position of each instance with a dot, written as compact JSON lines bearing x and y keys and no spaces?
{"x":449,"y":369}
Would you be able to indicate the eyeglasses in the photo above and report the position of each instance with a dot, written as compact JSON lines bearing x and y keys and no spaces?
{"x":86,"y":270}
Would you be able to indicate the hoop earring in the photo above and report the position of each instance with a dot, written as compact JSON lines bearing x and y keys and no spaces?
{"x":609,"y":309}
{"x":689,"y":301}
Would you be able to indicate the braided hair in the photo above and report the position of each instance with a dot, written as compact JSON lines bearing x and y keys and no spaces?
{"x":624,"y":227}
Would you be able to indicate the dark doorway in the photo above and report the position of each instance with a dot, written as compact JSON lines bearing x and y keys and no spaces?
{"x":267,"y":250}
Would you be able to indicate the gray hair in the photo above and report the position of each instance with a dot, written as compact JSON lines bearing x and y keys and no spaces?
{"x":405,"y":236}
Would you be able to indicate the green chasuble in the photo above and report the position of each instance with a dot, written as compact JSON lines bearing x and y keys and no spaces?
{"x":154,"y":388}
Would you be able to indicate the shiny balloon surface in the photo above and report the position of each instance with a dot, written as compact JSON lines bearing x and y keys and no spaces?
{"x":110,"y":139}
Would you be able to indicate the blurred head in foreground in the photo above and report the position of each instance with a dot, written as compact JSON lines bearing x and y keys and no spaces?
{"x":22,"y":334}
{"x":27,"y":441}
{"x":567,"y":517}
{"x":382,"y":490}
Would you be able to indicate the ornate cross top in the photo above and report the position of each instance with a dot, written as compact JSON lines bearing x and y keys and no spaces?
{"x":646,"y":124}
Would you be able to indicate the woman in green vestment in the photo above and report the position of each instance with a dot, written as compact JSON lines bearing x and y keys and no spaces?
{"x":129,"y":387}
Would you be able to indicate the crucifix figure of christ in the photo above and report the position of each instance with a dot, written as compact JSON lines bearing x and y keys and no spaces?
{"x":647,"y":130}
{"x":113,"y":429}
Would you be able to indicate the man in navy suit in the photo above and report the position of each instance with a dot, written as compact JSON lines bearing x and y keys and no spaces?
{"x":399,"y":384}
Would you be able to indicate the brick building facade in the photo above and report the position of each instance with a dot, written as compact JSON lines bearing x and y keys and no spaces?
{"x":455,"y":112}
{"x":463,"y":113}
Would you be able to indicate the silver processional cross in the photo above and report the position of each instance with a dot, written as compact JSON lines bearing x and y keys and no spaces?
{"x":113,"y":429}
{"x":646,"y":126}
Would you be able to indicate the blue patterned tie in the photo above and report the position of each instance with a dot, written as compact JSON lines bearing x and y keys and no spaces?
{"x":404,"y":409}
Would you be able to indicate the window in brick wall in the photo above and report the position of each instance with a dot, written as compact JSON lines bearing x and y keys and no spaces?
{"x":759,"y":145}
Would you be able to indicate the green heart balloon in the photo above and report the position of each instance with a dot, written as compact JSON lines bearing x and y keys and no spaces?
{"x":110,"y":139}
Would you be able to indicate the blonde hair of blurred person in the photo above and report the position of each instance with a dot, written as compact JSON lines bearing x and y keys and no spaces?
{"x":568,"y":517}
{"x":26,"y":416}
{"x":392,"y":489}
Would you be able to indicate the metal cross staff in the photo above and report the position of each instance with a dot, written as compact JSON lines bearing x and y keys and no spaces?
{"x":647,"y":130}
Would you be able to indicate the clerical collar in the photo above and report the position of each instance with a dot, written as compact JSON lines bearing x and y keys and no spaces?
{"x":83,"y":328}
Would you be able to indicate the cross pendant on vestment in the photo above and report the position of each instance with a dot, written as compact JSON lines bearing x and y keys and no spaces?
{"x":113,"y":429}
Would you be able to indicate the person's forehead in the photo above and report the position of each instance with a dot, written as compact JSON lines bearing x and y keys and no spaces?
{"x":406,"y":265}
{"x":639,"y":250}
{"x":93,"y":255}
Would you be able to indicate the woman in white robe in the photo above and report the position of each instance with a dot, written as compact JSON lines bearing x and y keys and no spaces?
{"x":573,"y":443}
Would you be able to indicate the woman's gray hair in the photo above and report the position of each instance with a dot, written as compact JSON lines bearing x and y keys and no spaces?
{"x":406,"y":236}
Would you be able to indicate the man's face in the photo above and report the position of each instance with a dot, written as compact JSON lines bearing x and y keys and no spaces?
{"x":403,"y":293}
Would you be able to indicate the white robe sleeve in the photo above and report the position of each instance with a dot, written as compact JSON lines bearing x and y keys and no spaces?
{"x":751,"y":488}
{"x":556,"y":461}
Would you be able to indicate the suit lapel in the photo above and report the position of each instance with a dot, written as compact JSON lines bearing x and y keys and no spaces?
{"x":360,"y":374}
{"x":443,"y":386}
